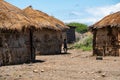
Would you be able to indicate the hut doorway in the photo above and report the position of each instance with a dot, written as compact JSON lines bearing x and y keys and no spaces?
{"x":32,"y":49}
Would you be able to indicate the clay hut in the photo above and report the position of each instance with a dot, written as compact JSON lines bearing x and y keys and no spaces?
{"x":57,"y":23}
{"x":71,"y":38}
{"x":54,"y":21}
{"x":106,"y":35}
{"x":15,"y":36}
{"x":61,"y":26}
{"x":49,"y":39}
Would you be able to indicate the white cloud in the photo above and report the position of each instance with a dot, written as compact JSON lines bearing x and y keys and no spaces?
{"x":88,"y":21}
{"x":95,"y":14}
{"x":103,"y":11}
{"x":74,"y":13}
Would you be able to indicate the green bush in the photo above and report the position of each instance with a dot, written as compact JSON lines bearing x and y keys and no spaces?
{"x":80,"y":28}
{"x":84,"y":48}
{"x":86,"y":45}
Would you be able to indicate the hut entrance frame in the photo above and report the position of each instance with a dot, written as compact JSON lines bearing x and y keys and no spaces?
{"x":32,"y":49}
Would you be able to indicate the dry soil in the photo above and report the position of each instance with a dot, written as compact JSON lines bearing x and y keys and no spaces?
{"x":76,"y":65}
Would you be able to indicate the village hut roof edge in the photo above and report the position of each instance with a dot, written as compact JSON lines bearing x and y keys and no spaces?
{"x":112,"y":20}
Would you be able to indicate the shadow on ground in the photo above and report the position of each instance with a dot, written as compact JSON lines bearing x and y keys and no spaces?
{"x":27,"y":63}
{"x":54,"y":54}
{"x":39,"y":61}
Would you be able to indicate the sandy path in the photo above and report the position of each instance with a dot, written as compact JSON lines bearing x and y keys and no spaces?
{"x":75,"y":66}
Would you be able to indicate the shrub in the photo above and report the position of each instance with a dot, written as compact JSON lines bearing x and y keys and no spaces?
{"x":85,"y":45}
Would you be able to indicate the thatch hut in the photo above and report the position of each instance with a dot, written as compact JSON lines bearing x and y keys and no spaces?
{"x":49,"y":39}
{"x":15,"y":36}
{"x":106,"y":35}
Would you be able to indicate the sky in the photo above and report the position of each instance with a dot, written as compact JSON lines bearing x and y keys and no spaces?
{"x":82,"y":11}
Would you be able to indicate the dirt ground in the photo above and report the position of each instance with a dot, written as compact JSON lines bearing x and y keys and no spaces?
{"x":76,"y":65}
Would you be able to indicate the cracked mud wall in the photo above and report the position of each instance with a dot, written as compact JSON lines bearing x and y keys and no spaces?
{"x":14,"y":48}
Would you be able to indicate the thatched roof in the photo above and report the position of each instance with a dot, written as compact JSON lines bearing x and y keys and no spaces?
{"x":12,"y":17}
{"x":39,"y":19}
{"x":112,"y":20}
{"x":59,"y":23}
{"x":44,"y":19}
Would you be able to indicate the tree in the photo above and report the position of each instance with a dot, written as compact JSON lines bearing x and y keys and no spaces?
{"x":80,"y":28}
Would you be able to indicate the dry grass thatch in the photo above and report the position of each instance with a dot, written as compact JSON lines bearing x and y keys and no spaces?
{"x":36,"y":17}
{"x":12,"y":17}
{"x":44,"y":20}
{"x":112,"y":20}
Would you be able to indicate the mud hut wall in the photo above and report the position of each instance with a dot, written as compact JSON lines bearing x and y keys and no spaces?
{"x":47,"y":42}
{"x":106,"y":42}
{"x":71,"y":38}
{"x":14,"y":48}
{"x":119,"y":41}
{"x":112,"y":48}
{"x":94,"y":42}
{"x":64,"y":35}
{"x":101,"y":37}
